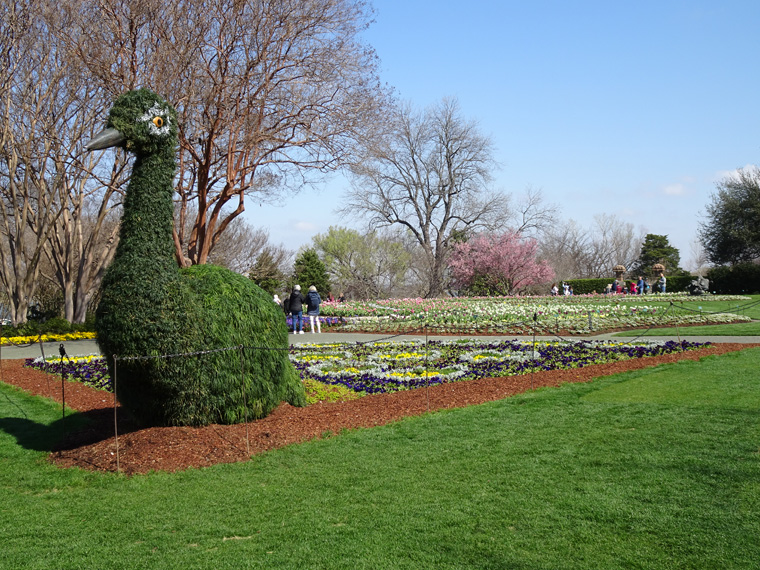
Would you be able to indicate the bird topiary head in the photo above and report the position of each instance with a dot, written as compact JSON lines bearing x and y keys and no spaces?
{"x":141,"y":122}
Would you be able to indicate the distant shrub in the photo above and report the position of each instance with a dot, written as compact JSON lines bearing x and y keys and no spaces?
{"x":56,"y":325}
{"x":676,"y":284}
{"x":587,"y":286}
{"x":743,"y":278}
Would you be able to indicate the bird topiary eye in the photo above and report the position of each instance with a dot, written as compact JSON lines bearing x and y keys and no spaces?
{"x":158,"y":121}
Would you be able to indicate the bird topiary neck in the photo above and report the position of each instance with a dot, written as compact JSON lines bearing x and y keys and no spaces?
{"x":148,"y":218}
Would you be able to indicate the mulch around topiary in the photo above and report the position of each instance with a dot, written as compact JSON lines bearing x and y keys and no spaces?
{"x":141,"y":450}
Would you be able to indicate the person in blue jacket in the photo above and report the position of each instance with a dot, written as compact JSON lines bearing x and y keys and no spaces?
{"x":313,"y":308}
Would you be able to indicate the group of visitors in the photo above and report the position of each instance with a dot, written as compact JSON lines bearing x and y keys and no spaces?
{"x":567,"y":290}
{"x":294,"y":306}
{"x":639,"y":287}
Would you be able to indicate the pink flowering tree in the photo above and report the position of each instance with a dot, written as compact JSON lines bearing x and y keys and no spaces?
{"x":498,"y":264}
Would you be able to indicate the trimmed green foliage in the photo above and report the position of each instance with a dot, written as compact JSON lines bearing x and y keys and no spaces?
{"x":145,"y":308}
{"x":149,"y":309}
{"x":742,"y":278}
{"x":588,"y":286}
{"x":235,"y":312}
{"x":679,"y":283}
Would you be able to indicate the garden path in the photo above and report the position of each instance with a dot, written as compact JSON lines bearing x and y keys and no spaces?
{"x":87,"y":347}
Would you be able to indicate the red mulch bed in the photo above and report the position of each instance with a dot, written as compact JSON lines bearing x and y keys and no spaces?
{"x":141,"y":450}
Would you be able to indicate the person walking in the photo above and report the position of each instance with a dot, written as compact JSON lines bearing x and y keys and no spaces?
{"x":312,"y":310}
{"x":296,"y":309}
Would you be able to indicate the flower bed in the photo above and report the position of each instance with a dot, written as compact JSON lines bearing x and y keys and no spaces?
{"x":388,"y":367}
{"x":52,"y":337}
{"x":393,"y":366}
{"x":90,"y":370}
{"x":523,"y":315}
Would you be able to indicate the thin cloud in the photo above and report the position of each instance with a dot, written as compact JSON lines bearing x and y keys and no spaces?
{"x":723,"y":174}
{"x":304,"y":226}
{"x":677,"y":189}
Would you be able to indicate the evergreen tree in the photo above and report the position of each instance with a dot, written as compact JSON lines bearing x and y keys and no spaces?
{"x":731,"y":232}
{"x":309,"y":270}
{"x":266,"y":274}
{"x":657,"y":249}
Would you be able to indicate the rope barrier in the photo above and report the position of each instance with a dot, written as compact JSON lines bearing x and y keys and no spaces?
{"x":702,"y":312}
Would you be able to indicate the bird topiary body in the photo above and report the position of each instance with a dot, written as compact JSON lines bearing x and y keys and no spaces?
{"x":151,"y":308}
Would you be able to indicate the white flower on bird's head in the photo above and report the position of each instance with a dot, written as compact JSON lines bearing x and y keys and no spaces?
{"x":158,"y":119}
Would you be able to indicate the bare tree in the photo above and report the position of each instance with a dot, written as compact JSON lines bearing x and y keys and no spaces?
{"x":53,"y":206}
{"x":579,"y":252}
{"x":613,"y":242}
{"x":430,"y":176}
{"x":241,"y":245}
{"x":698,"y":262}
{"x":89,"y":192}
{"x":28,"y":182}
{"x":267,"y":93}
{"x":566,"y":246}
{"x":532,"y":215}
{"x":85,"y":236}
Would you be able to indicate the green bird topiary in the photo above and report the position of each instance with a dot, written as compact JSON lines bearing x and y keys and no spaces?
{"x":151,"y":310}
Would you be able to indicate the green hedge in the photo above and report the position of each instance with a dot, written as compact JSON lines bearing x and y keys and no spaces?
{"x":586,"y":286}
{"x":675,"y":284}
{"x":743,"y":278}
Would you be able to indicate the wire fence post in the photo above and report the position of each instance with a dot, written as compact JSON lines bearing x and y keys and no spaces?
{"x":62,"y":352}
{"x":115,"y":416}
{"x":427,"y":373}
{"x":533,"y":356}
{"x":245,"y":400}
{"x":678,"y":332}
{"x":42,"y":346}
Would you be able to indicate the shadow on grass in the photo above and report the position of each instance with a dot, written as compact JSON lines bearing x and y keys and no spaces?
{"x":73,"y":431}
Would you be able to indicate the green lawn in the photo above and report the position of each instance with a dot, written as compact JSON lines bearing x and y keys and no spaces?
{"x":738,"y":329}
{"x":656,"y":469}
{"x":704,"y":306}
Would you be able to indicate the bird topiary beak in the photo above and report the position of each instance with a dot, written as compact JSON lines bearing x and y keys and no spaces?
{"x":105,"y":139}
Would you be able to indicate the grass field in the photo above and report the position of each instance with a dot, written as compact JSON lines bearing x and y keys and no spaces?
{"x":656,"y":469}
{"x":704,"y":306}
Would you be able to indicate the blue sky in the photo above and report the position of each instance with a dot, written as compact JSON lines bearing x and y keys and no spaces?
{"x":631,"y":109}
